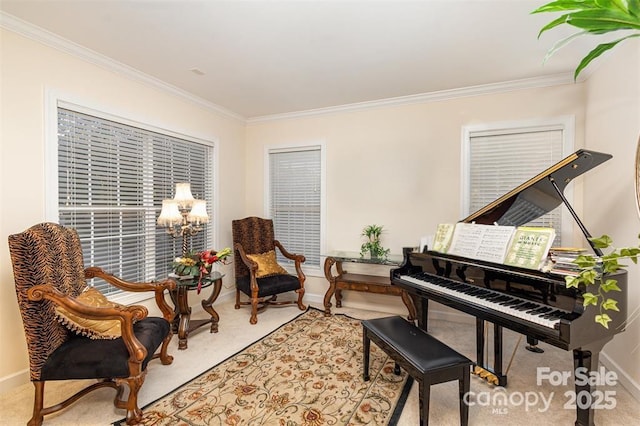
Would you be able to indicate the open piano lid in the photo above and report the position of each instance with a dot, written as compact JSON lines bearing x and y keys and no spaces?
{"x":540,"y":194}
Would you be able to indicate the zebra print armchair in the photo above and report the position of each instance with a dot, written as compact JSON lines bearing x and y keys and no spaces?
{"x":50,"y":278}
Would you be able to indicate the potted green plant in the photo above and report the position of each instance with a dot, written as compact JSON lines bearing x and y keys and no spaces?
{"x":373,"y":246}
{"x":593,"y":17}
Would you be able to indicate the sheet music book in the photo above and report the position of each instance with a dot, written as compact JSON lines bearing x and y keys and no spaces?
{"x":530,"y":247}
{"x":482,"y":242}
{"x":442,"y":239}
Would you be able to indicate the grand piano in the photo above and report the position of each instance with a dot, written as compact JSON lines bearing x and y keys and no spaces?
{"x":536,"y":304}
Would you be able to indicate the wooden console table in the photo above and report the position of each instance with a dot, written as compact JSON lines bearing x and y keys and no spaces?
{"x":182,"y":324}
{"x":361,"y":282}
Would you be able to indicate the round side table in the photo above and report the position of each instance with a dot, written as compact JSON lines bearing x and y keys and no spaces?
{"x":182,"y":323}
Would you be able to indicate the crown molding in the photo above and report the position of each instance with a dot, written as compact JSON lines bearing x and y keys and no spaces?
{"x":441,"y":95}
{"x":50,"y":39}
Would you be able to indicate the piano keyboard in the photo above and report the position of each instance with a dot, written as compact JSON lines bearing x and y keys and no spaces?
{"x":534,"y":312}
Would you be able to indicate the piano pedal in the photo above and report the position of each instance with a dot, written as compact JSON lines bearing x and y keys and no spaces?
{"x":486,"y":375}
{"x":533,"y":346}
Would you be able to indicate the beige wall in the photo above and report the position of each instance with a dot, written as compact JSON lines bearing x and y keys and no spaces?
{"x":397,"y":166}
{"x":613,"y":125}
{"x":29,"y":71}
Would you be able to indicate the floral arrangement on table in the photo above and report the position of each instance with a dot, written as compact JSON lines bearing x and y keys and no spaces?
{"x":198,"y":264}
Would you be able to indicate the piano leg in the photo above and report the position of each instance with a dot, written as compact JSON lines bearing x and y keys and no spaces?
{"x":493,"y":376}
{"x":421,"y":306}
{"x":410,"y":306}
{"x":586,"y":358}
{"x":480,"y":342}
{"x":497,"y":354}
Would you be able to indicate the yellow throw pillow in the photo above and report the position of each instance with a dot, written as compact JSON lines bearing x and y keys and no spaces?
{"x":94,"y":329}
{"x":267,"y":264}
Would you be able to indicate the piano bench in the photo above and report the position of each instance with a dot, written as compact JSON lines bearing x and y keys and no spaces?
{"x":425,"y":358}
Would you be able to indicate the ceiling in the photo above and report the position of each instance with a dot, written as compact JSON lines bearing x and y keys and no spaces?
{"x":265,"y":58}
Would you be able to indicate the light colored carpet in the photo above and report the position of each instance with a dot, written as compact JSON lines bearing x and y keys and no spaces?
{"x":206,"y":350}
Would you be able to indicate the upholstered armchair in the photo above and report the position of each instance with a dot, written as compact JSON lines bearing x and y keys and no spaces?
{"x":258,"y":274}
{"x":73,"y":331}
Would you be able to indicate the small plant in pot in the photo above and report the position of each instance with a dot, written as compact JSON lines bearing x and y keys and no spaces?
{"x":373,"y":246}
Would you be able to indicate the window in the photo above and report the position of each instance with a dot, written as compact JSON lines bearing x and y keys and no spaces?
{"x":498,"y":158}
{"x":112,"y":178}
{"x":295,"y":200}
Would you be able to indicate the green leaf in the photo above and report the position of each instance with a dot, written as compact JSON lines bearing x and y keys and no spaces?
{"x":588,"y":276}
{"x":610,"y":305}
{"x":560,"y":5}
{"x":610,"y":285}
{"x":634,"y":7}
{"x":603,"y":20}
{"x":571,"y":281}
{"x":558,"y":21}
{"x":585,"y":261}
{"x":601,"y":242}
{"x":603,"y":319}
{"x":599,"y":50}
{"x":562,"y":43}
{"x":589,"y":299}
{"x":621,"y":4}
{"x":610,"y":266}
{"x":613,"y":256}
{"x":630,"y":252}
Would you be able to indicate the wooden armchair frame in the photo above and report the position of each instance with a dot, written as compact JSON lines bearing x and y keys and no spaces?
{"x":259,"y":303}
{"x":158,"y":288}
{"x":127,"y":315}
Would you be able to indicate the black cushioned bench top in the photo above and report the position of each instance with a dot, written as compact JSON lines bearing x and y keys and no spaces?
{"x":423,"y":351}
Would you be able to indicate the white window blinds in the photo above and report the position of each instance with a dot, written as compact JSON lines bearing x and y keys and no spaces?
{"x":112,"y":178}
{"x":501,"y":160}
{"x":295,"y":201}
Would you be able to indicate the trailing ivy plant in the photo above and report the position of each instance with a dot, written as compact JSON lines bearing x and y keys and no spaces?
{"x":594,"y":270}
{"x":595,"y":17}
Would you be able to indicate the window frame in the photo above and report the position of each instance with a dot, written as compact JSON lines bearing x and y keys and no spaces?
{"x":55,"y":100}
{"x":310,"y":270}
{"x":564,"y":123}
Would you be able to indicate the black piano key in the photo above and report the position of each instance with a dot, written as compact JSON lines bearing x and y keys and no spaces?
{"x":490,"y":298}
{"x":556,"y":314}
{"x":524,"y":307}
{"x":538,"y":310}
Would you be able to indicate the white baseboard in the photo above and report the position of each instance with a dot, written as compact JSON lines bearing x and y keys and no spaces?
{"x":623,"y":378}
{"x":14,"y":380}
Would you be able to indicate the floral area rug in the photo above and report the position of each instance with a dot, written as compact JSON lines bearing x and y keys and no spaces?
{"x":307,"y":372}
